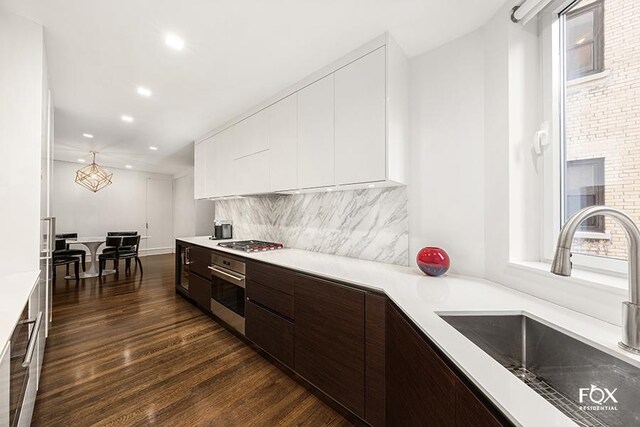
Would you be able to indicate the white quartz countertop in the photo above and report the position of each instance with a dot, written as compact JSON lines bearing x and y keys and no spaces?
{"x":15,"y":290}
{"x":422,"y":298}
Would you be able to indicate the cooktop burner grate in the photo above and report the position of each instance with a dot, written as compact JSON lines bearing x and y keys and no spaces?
{"x":251,"y":245}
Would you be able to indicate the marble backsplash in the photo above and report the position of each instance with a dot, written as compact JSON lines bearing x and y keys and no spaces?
{"x":369,"y":224}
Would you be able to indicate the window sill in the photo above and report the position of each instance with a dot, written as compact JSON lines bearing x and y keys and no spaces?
{"x":591,"y":77}
{"x":593,"y":235}
{"x":600,"y":280}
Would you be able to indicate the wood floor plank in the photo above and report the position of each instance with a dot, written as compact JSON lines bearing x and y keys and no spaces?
{"x":126,"y":351}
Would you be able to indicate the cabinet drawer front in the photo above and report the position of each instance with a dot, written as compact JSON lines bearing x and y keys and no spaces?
{"x":271,"y":332}
{"x":330,"y":339}
{"x":200,"y":260}
{"x":271,"y":298}
{"x":273,"y":277}
{"x":200,"y":291}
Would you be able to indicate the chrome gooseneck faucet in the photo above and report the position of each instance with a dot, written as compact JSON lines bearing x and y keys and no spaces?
{"x":562,"y":267}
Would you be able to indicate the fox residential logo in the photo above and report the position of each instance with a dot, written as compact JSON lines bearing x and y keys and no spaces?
{"x":596,"y":398}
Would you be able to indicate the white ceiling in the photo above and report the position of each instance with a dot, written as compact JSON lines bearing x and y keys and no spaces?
{"x":237,"y":53}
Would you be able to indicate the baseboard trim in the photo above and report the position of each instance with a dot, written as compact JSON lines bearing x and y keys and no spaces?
{"x":157,"y":251}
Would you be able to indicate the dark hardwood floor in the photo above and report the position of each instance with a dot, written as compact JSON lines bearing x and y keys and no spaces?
{"x":127,"y":351}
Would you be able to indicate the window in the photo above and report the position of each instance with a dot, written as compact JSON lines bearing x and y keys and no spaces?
{"x":584,"y":186}
{"x":596,"y":123}
{"x":584,"y":40}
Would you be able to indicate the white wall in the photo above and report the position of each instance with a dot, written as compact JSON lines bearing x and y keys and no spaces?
{"x":118,"y":207}
{"x":446,"y":192}
{"x":21,"y":89}
{"x":191,"y":217}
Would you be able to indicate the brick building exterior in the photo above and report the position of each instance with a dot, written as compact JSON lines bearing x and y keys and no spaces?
{"x":602,"y":113}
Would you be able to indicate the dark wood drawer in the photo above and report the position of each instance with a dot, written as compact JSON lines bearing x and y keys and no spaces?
{"x":271,"y":298}
{"x":270,"y":331}
{"x":200,"y":291}
{"x":273,"y":277}
{"x":200,"y":259}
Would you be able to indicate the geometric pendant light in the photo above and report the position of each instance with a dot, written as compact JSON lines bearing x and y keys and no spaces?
{"x":93,"y":177}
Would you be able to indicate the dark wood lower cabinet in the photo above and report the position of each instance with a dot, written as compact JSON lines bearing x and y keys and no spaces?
{"x":470,"y":411}
{"x":200,"y":291}
{"x":420,"y":386}
{"x":422,"y":389}
{"x":355,"y":346}
{"x":270,"y":331}
{"x":375,"y":359}
{"x":330,"y":339}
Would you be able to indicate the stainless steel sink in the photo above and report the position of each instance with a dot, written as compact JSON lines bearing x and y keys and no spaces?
{"x":590,"y":386}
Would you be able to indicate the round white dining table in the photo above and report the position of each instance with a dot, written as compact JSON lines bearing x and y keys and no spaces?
{"x":93,"y":244}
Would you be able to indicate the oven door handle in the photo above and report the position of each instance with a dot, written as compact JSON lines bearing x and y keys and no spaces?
{"x":33,"y":340}
{"x":218,"y":272}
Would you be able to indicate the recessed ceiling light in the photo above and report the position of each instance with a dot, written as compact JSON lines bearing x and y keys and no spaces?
{"x":174,"y":41}
{"x":81,"y":160}
{"x":127,"y":119}
{"x":371,"y":185}
{"x":128,"y":166}
{"x":153,"y":148}
{"x":329,"y":189}
{"x":143,"y":91}
{"x":87,"y":135}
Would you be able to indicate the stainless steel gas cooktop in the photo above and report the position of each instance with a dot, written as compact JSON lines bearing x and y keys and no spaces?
{"x":251,"y":245}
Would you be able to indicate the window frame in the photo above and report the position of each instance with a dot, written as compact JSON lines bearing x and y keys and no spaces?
{"x":552,"y":170}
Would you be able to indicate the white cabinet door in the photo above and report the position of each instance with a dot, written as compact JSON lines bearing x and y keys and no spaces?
{"x":211,"y":154}
{"x":283,"y":143}
{"x":315,"y":134}
{"x":251,"y":135}
{"x":159,"y":215}
{"x":223,"y":166}
{"x":360,"y":117}
{"x":253,"y":174}
{"x":200,"y":171}
{"x":5,"y":369}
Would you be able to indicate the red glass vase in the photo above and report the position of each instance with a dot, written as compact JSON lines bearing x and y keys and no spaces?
{"x":433,"y":261}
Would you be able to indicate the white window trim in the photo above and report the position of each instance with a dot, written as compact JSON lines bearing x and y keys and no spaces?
{"x":551,"y":177}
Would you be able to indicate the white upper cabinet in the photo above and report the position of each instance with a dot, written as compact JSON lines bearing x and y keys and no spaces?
{"x":251,"y":135}
{"x":283,"y":144}
{"x":360,"y":120}
{"x":224,"y":172}
{"x":200,"y":170}
{"x":315,"y":134}
{"x":252,"y":174}
{"x":345,"y":125}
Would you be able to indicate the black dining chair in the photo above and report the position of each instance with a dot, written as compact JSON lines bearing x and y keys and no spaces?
{"x":59,"y":258}
{"x":130,"y":249}
{"x":122,"y":233}
{"x":113,"y":244}
{"x":67,"y":251}
{"x":108,"y":248}
{"x":126,"y":248}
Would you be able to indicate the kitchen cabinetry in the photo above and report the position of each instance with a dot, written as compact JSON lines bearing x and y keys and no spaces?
{"x":200,"y":176}
{"x":330,"y":339}
{"x":354,"y":345}
{"x":251,"y":135}
{"x":269,"y":311}
{"x":360,"y":112}
{"x":200,"y":291}
{"x":283,"y":144}
{"x":193,"y":277}
{"x":344,"y":126}
{"x":421,"y":386}
{"x":315,"y":134}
